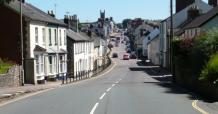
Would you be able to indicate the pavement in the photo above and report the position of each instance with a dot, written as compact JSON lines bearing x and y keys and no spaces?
{"x":125,"y":88}
{"x":7,"y":93}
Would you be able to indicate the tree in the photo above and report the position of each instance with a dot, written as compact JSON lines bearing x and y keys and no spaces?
{"x":125,"y":23}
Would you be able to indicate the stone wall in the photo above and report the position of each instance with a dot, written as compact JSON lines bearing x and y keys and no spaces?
{"x":12,"y":78}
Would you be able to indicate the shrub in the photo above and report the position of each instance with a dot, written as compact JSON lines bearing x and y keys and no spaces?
{"x":4,"y":66}
{"x":194,"y":56}
{"x":208,"y":43}
{"x":210,"y":72}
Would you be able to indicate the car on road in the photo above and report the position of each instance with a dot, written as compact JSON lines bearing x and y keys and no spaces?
{"x":115,"y":55}
{"x":133,"y":56}
{"x":126,"y":57}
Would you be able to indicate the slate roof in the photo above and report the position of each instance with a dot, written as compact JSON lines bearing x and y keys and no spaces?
{"x":79,"y":37}
{"x":182,"y":16}
{"x":153,"y":34}
{"x":199,"y":21}
{"x":34,"y":13}
{"x":39,"y":49}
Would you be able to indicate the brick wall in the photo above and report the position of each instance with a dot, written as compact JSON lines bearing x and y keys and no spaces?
{"x":10,"y":79}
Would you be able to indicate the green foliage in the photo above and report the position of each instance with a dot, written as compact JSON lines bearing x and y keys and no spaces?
{"x":125,"y":22}
{"x":208,"y":43}
{"x":210,"y":72}
{"x":195,"y":59}
{"x":4,"y":66}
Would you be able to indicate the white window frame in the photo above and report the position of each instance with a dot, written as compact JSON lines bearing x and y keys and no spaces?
{"x":44,"y":36}
{"x":51,"y":62}
{"x":60,"y":37}
{"x":50,"y":37}
{"x":55,"y":37}
{"x":37,"y":64}
{"x":36,"y":35}
{"x":65,"y":38}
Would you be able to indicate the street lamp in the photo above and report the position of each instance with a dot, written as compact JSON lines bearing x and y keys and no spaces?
{"x":170,"y":41}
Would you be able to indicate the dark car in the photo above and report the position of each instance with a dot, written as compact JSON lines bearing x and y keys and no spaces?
{"x":115,"y":55}
{"x":133,"y":56}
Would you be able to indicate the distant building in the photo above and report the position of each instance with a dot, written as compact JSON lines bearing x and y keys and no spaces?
{"x":148,"y":39}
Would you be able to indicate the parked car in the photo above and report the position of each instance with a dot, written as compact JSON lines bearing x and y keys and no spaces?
{"x":126,"y":57}
{"x":115,"y":55}
{"x":133,"y":56}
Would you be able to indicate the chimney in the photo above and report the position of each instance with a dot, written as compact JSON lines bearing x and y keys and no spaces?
{"x":67,"y":20}
{"x":51,"y":13}
{"x":213,"y":2}
{"x":193,"y":12}
{"x":181,"y":4}
{"x":89,"y":33}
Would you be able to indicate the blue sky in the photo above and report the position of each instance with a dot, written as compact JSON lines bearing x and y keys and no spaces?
{"x":88,"y":10}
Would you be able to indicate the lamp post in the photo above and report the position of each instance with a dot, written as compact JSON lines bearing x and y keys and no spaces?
{"x":170,"y":41}
{"x":21,"y":38}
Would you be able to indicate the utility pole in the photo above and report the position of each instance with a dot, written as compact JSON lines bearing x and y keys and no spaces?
{"x":21,"y":38}
{"x":170,"y":41}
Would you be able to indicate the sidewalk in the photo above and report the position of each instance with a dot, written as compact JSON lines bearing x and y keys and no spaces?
{"x":210,"y":107}
{"x":12,"y":92}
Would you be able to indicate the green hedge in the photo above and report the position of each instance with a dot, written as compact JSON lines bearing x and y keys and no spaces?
{"x":210,"y":72}
{"x":196,"y":63}
{"x":4,"y":66}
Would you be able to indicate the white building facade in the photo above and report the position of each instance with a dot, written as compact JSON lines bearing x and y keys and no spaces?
{"x":52,"y":62}
{"x":81,"y":53}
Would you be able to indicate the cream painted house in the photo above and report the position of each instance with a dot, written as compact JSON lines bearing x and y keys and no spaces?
{"x":45,"y":53}
{"x":81,"y":53}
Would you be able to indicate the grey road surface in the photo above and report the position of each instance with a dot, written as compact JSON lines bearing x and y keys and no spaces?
{"x":127,"y":89}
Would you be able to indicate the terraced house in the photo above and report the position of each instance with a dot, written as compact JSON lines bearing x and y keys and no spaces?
{"x":45,"y":50}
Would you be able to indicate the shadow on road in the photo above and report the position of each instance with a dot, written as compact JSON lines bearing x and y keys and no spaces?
{"x":163,"y":79}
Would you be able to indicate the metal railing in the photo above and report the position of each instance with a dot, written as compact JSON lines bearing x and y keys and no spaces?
{"x":71,"y":77}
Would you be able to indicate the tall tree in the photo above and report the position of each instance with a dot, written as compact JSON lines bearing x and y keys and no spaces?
{"x":125,"y":23}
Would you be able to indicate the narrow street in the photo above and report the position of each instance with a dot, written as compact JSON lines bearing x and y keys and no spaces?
{"x":126,"y":89}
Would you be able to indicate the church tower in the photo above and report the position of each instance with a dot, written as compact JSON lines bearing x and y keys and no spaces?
{"x":102,"y":14}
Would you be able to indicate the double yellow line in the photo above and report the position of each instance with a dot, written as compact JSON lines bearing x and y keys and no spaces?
{"x":194,"y":105}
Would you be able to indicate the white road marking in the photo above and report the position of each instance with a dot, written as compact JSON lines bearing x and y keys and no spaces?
{"x":102,"y":96}
{"x":117,"y":82}
{"x":109,"y":89}
{"x":94,"y":108}
{"x":113,"y":85}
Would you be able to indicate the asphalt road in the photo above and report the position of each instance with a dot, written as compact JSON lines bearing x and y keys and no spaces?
{"x":126,"y":89}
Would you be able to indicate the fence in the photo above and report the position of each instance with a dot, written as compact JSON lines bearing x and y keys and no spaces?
{"x":70,"y":77}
